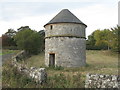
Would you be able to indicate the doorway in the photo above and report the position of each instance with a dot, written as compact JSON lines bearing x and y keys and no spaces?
{"x":52,"y":59}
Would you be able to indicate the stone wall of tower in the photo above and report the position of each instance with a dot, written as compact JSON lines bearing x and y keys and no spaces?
{"x":65,"y":29}
{"x":67,"y":41}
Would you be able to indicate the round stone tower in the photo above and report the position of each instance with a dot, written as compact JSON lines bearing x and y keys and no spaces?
{"x":65,"y":43}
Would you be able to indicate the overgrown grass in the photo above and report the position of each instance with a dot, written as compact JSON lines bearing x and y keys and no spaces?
{"x":100,"y":62}
{"x":12,"y":78}
{"x":35,"y":61}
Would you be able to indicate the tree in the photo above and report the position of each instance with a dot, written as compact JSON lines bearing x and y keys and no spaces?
{"x":5,"y":40}
{"x":8,"y":41}
{"x":10,"y":33}
{"x":105,"y":39}
{"x":91,"y":42}
{"x":100,"y":39}
{"x":115,"y":39}
{"x":42,"y":38}
{"x":23,"y":28}
{"x":28,"y":40}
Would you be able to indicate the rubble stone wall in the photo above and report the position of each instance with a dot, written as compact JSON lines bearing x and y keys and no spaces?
{"x":102,"y":81}
{"x":38,"y":74}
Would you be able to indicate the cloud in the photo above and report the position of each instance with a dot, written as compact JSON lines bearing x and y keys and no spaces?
{"x":57,"y":0}
{"x":35,"y":15}
{"x":15,"y":10}
{"x":35,"y":23}
{"x":49,"y":1}
{"x":97,"y":17}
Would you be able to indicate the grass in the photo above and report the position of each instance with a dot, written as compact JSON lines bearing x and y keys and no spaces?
{"x":15,"y":79}
{"x":12,"y":78}
{"x":4,"y":52}
{"x":98,"y":62}
{"x":104,"y":62}
{"x":35,"y":61}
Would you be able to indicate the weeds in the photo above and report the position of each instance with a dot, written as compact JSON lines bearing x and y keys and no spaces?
{"x":55,"y":68}
{"x":102,"y":62}
{"x":12,"y":78}
{"x":63,"y":81}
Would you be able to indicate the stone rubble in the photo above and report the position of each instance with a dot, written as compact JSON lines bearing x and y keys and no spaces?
{"x":102,"y":81}
{"x":38,"y":74}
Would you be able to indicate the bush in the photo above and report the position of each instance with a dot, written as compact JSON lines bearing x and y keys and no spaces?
{"x":28,"y":40}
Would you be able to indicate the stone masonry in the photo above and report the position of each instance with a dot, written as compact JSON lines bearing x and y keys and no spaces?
{"x":102,"y":81}
{"x":65,"y":43}
{"x":37,"y":74}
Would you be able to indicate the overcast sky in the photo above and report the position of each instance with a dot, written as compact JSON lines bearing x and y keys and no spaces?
{"x":96,"y":14}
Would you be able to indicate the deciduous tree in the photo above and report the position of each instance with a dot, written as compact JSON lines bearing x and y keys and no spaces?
{"x":29,"y":40}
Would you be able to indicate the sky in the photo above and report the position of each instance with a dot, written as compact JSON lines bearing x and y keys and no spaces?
{"x":96,"y":14}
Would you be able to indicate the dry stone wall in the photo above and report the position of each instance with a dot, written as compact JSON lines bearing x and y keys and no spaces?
{"x":20,"y":56}
{"x":37,"y":74}
{"x":102,"y":81}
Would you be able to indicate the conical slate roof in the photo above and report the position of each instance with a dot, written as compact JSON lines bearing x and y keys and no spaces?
{"x":65,"y":16}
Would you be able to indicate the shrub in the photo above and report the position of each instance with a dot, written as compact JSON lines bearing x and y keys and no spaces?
{"x":29,"y":41}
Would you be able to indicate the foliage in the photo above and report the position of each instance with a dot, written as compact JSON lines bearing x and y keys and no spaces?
{"x":115,"y":39}
{"x":42,"y":36}
{"x":104,"y":39}
{"x":90,"y":43}
{"x":10,"y":33}
{"x":28,"y":40}
{"x":7,"y":41}
{"x":25,"y":38}
{"x":23,"y":28}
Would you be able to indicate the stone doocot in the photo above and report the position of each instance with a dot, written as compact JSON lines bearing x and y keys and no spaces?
{"x":66,"y":41}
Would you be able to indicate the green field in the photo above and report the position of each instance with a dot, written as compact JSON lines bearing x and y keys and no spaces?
{"x":98,"y":62}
